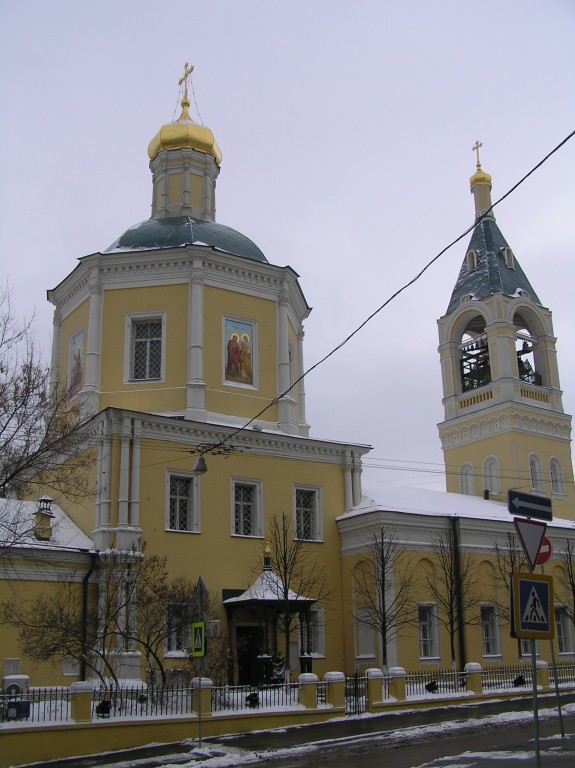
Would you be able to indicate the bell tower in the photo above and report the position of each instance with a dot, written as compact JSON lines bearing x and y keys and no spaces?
{"x":504,"y":425}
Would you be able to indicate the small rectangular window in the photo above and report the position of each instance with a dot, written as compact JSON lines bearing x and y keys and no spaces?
{"x":247,"y":513}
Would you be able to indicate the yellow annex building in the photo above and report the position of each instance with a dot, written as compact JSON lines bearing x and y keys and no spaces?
{"x":183,"y":344}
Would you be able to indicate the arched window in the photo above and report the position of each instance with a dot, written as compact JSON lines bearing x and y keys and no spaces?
{"x":467,"y":480}
{"x":535,"y":473}
{"x":556,"y":477}
{"x":471,"y":261}
{"x":475,"y":365}
{"x":491,"y":479}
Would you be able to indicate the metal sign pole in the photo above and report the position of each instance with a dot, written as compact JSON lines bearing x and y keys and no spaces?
{"x":535,"y":707}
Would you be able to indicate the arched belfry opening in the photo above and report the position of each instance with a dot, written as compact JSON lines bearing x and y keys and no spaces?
{"x":474,"y":366}
{"x":530,"y":361}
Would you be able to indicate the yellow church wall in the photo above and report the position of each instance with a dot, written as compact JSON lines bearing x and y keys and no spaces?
{"x":225,"y":560}
{"x":223,"y":397}
{"x":488,"y":589}
{"x":74,"y":323}
{"x":167,"y":393}
{"x":25,"y":579}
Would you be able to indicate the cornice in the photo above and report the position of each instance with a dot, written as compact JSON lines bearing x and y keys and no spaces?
{"x":194,"y":433}
{"x":476,"y":427}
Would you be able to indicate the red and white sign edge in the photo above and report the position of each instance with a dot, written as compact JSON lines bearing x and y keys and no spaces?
{"x":531,"y":534}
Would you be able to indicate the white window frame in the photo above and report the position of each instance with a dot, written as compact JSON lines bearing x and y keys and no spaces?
{"x":563,"y":630}
{"x":257,"y":522}
{"x":509,"y":257}
{"x":194,"y":518}
{"x":178,"y":638}
{"x":132,"y":319}
{"x":317,"y":514}
{"x":490,"y":641}
{"x":431,"y":635}
{"x":471,"y":261}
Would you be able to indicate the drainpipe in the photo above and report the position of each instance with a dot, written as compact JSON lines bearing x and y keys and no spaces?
{"x":85,"y":580}
{"x":458,"y":595}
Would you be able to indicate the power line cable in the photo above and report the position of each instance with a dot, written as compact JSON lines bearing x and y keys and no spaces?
{"x":215,"y":447}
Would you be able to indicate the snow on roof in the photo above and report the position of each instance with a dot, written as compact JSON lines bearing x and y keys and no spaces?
{"x":267,"y":587}
{"x":17,"y":519}
{"x":422,"y":501}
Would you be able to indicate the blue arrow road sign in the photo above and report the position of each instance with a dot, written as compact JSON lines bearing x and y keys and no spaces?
{"x":529,"y":505}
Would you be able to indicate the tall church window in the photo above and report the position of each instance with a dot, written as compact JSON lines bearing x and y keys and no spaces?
{"x":428,"y":636}
{"x":471,"y":261}
{"x":556,"y":477}
{"x":467,"y":480}
{"x":489,"y":630}
{"x":146,"y":347}
{"x":247,"y":512}
{"x":491,"y":479}
{"x":308,"y":514}
{"x":475,"y":365}
{"x":535,"y":473}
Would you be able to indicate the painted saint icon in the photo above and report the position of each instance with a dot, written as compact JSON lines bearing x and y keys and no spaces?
{"x":239,"y":352}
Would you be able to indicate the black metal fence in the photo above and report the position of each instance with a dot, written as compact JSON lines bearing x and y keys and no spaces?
{"x":36,"y":705}
{"x":238,"y":697}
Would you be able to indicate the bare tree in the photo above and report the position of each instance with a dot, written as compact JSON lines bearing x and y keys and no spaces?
{"x":302,"y":576}
{"x":567,"y":580}
{"x":383,"y":585}
{"x":453,"y":589}
{"x":509,"y":559}
{"x":42,"y":443}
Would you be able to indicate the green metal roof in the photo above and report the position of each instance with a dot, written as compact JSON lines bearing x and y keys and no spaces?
{"x":492,"y":275}
{"x":180,"y":231}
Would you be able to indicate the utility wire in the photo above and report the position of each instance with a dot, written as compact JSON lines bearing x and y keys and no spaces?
{"x":215,"y":447}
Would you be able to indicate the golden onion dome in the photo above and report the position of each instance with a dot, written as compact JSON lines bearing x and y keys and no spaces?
{"x":479,"y":177}
{"x":182,"y":133}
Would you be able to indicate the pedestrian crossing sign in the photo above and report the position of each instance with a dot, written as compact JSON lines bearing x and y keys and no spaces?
{"x":532,"y":606}
{"x":198,"y":638}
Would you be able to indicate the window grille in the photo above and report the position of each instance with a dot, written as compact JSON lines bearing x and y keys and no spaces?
{"x":146,"y":349}
{"x":306,"y":514}
{"x":180,"y":503}
{"x":244,"y":509}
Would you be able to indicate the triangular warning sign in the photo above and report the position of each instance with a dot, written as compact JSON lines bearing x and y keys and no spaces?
{"x":531,"y":533}
{"x":534,"y":612}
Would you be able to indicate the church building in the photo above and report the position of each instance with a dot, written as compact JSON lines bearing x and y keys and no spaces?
{"x":183,"y":343}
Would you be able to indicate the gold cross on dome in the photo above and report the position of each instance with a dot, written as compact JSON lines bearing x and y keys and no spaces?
{"x":188,"y":69}
{"x":475,"y":148}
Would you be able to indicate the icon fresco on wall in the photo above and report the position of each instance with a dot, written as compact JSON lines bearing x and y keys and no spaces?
{"x":76,"y":362}
{"x":239,"y":351}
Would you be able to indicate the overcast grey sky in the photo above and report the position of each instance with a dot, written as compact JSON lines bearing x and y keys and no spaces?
{"x":346,"y":131}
